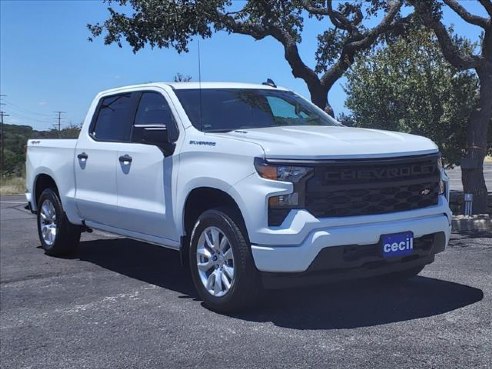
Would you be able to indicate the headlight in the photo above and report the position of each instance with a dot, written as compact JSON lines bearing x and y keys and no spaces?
{"x":280,"y":205}
{"x":286,"y":173}
{"x":439,"y":163}
{"x":440,"y":167}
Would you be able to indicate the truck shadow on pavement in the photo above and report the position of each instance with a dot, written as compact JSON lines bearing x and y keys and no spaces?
{"x":336,"y":306}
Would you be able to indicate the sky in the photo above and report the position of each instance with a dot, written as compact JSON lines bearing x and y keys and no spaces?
{"x":47,"y":63}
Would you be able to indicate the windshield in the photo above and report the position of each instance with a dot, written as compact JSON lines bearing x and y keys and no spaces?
{"x":225,"y":110}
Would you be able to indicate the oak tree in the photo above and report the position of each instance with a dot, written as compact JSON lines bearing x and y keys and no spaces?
{"x":430,"y":13}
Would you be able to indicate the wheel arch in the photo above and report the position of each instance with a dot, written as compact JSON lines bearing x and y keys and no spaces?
{"x":42,"y":182}
{"x":204,"y":198}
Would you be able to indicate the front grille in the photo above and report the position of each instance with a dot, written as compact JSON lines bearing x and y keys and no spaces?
{"x":364,"y":187}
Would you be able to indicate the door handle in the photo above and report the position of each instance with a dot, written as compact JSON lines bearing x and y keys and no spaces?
{"x":82,"y":156}
{"x":125,"y":159}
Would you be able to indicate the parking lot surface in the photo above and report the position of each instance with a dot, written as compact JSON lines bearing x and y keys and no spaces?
{"x":118,"y":303}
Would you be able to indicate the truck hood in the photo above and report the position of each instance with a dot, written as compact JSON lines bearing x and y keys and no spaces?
{"x":321,"y":142}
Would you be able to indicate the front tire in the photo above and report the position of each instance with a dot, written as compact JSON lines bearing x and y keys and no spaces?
{"x":57,"y":235}
{"x":221,"y":263}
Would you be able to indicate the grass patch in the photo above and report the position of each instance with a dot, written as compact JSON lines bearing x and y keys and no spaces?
{"x":12,"y":186}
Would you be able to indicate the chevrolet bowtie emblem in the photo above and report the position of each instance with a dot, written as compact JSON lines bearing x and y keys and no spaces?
{"x":425,"y":192}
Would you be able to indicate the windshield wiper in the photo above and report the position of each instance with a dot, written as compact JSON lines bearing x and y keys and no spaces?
{"x":218,"y":130}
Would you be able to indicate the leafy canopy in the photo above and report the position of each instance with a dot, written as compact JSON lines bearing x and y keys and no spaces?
{"x":408,"y":86}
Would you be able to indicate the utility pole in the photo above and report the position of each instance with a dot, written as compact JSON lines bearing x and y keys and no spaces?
{"x":59,"y":121}
{"x":2,"y":114}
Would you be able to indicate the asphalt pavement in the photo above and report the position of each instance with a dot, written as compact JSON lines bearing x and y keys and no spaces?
{"x":455,"y":177}
{"x":118,"y":303}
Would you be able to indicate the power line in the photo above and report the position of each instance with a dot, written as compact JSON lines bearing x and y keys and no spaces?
{"x":28,"y":119}
{"x":25,"y":110}
{"x":25,"y":114}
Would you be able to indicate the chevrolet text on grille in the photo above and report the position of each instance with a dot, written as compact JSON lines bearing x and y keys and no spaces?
{"x":381,"y":173}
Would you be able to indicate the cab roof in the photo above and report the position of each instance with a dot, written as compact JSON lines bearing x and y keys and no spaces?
{"x":191,"y":85}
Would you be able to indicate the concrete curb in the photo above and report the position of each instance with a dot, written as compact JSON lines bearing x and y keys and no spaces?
{"x":479,"y":223}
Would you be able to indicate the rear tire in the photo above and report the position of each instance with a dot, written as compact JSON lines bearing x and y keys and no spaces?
{"x":221,"y":263}
{"x":57,"y":235}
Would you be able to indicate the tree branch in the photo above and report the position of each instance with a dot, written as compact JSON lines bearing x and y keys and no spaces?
{"x":299,"y":68}
{"x":307,"y":4}
{"x":487,"y":5}
{"x":256,"y":31}
{"x":468,"y":17}
{"x":448,"y":48}
{"x":337,"y":18}
{"x":383,"y":26}
{"x":360,"y":43}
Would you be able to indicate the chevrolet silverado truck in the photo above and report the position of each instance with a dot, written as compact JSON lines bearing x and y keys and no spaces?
{"x":255,"y":187}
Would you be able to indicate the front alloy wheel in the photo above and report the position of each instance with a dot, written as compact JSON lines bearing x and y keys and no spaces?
{"x":215,"y":261}
{"x":221,"y":263}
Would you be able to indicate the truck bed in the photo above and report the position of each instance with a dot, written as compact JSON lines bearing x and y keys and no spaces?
{"x":53,"y":157}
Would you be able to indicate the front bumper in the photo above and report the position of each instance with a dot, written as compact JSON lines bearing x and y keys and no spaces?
{"x":299,"y":258}
{"x":353,"y":261}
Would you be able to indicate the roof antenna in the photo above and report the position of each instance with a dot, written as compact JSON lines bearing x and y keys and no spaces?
{"x":200,"y":85}
{"x":269,"y":82}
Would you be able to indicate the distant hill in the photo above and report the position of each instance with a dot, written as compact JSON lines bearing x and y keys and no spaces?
{"x":15,"y":140}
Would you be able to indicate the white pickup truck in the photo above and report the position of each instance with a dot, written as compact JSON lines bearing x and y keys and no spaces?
{"x":254,"y":185}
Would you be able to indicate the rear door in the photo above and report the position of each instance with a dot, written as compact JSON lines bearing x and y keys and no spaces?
{"x":96,"y":158}
{"x":144,"y":173}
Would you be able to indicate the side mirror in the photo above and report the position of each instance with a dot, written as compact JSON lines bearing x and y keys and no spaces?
{"x":153,"y":134}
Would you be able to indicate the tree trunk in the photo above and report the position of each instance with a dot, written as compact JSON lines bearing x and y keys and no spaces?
{"x":319,"y":97}
{"x":472,"y":161}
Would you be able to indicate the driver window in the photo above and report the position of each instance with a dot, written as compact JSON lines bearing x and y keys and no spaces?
{"x":153,"y":109}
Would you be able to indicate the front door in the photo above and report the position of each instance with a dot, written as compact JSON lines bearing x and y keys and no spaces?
{"x":144,"y":174}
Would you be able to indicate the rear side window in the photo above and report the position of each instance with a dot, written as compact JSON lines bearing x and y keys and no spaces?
{"x":113,"y":119}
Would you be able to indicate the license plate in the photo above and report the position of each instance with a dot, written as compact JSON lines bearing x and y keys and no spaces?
{"x":397,"y":244}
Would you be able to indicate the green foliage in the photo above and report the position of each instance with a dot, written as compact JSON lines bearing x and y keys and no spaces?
{"x":174,"y":23}
{"x":182,"y":78}
{"x":15,"y":141}
{"x":408,"y":86}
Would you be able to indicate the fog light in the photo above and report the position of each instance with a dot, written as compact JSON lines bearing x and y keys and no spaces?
{"x":284,"y":200}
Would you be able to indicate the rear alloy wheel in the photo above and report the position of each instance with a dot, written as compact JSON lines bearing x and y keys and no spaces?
{"x":48,"y":223}
{"x":57,"y":235}
{"x":221,"y":263}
